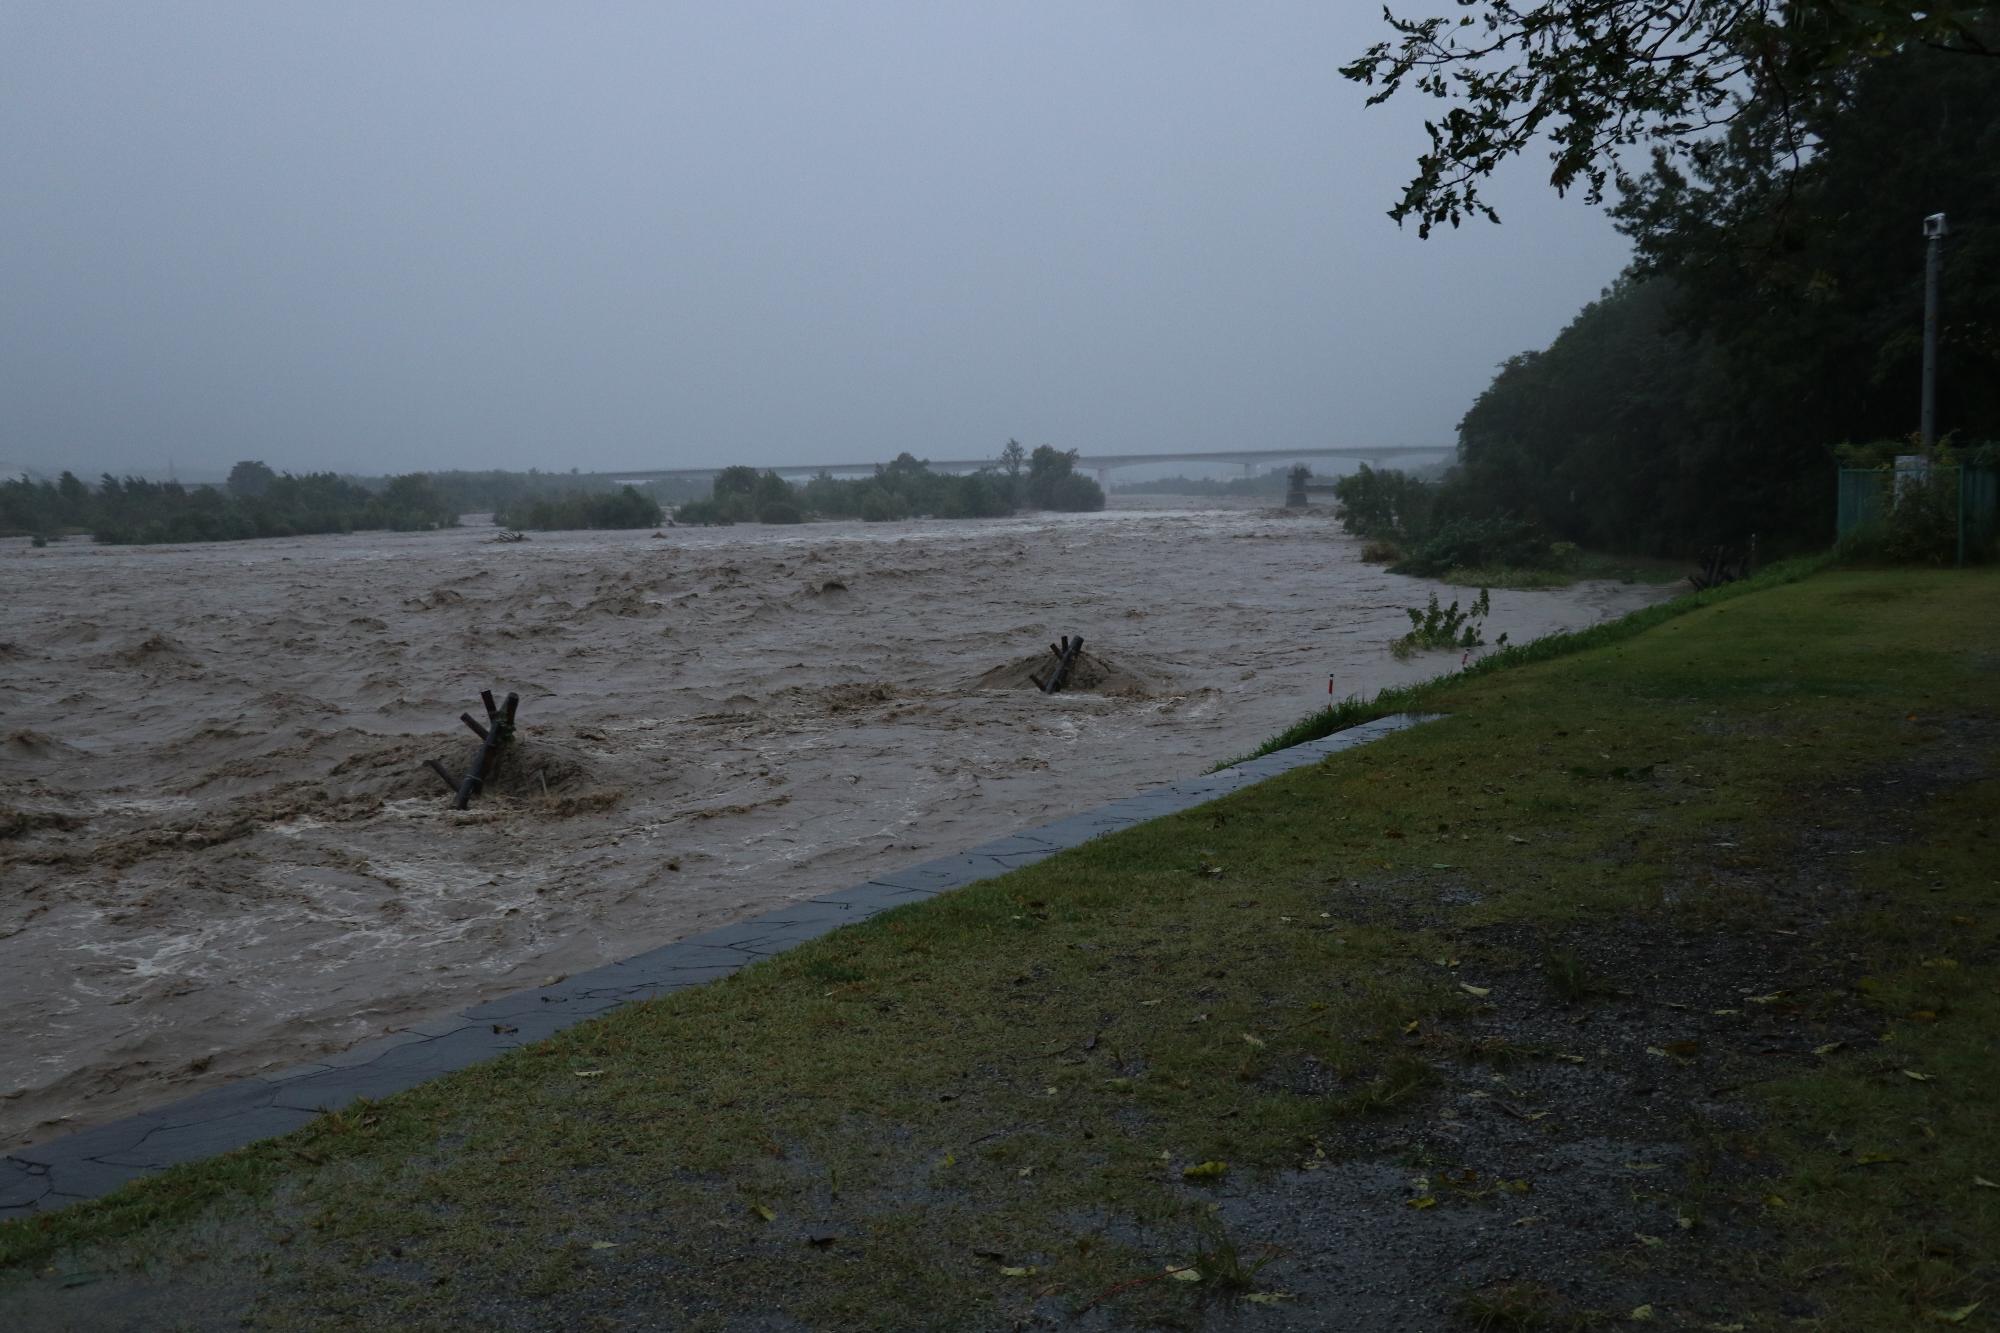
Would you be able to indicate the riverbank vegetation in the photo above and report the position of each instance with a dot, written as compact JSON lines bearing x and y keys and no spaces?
{"x":1774,"y":311}
{"x":256,"y":502}
{"x":1266,"y":485}
{"x":496,"y":491}
{"x":622,"y":508}
{"x":1667,"y":969}
{"x":903,"y":488}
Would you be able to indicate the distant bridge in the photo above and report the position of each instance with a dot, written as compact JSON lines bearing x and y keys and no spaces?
{"x":1376,"y":455}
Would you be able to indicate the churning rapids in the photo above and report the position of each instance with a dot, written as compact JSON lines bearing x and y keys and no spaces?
{"x":219,"y":852}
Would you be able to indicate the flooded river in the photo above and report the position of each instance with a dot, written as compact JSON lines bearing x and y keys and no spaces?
{"x":219,"y":851}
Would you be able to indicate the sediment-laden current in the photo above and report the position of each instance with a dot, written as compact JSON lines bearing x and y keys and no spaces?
{"x":219,"y":852}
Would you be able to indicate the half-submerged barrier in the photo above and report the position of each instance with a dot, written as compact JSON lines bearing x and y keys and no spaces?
{"x":1065,"y":656}
{"x":499,"y":729}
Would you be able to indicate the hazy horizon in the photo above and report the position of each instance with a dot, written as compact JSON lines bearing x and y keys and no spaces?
{"x":378,"y":239}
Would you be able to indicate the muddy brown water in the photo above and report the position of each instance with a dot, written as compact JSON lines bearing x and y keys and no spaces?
{"x":219,"y":853}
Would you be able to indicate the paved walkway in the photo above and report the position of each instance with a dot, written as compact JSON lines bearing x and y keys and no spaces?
{"x":97,"y":1161}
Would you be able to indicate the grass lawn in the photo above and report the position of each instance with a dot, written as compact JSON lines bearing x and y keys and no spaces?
{"x":1659,"y":983}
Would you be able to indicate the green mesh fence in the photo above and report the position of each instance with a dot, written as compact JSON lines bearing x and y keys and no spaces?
{"x":1867,"y":495}
{"x":1864,"y":497}
{"x":1978,"y":512}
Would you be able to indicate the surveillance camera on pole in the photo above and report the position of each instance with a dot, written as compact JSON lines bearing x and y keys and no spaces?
{"x":1934,"y":234}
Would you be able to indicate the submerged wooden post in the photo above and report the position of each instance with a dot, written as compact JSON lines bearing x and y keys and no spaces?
{"x":1065,"y":659}
{"x":499,"y":729}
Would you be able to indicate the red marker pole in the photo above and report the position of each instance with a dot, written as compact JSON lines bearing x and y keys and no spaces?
{"x":1329,"y":687}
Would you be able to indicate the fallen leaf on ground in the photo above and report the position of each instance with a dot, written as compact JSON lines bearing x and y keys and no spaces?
{"x":1914,"y":1076}
{"x":1641,"y":1313}
{"x":1269,"y":1297}
{"x":1647,"y":1241}
{"x":1184,"y":1274}
{"x":763,"y":1212}
{"x":1410,"y":1027}
{"x":588,"y":1073}
{"x":1958,"y":1316}
{"x":604,"y":1245}
{"x":1025,"y":1270}
{"x":1479,"y":992}
{"x":1829,"y":1048}
{"x":1206,"y":1171}
{"x":1773,"y":998}
{"x":1984,"y":1183}
{"x":1423,"y":1201}
{"x":1254,"y":1041}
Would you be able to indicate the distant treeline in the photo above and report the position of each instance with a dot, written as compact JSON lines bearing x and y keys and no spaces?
{"x":495,"y":492}
{"x":255,"y":502}
{"x":1264,"y":483}
{"x":905,"y":488}
{"x":622,"y":508}
{"x":1772,"y":315}
{"x":258,"y":502}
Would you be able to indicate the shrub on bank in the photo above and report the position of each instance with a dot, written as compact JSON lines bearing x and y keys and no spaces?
{"x":1466,"y":543}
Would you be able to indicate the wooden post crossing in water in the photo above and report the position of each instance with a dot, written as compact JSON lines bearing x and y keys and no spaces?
{"x":499,"y":729}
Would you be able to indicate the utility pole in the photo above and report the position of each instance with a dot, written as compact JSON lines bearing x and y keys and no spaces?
{"x":1934,"y":233}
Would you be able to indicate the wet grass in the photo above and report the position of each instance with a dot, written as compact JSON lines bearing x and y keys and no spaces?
{"x":1651,"y":938}
{"x":1354,"y":710}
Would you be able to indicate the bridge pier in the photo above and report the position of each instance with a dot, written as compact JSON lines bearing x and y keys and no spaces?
{"x":1104,"y":478}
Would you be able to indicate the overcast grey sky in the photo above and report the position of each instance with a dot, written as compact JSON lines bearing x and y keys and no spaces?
{"x":393,"y":236}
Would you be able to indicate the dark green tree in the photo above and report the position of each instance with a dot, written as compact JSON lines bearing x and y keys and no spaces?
{"x":1595,"y":77}
{"x":250,"y":479}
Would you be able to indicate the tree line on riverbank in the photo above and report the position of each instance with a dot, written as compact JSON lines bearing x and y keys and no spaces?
{"x":259,"y":502}
{"x":1771,"y":316}
{"x":1045,"y":478}
{"x":255,"y":502}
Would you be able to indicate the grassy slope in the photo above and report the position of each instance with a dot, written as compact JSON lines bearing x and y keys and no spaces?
{"x":1607,"y":992}
{"x":1354,"y":710}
